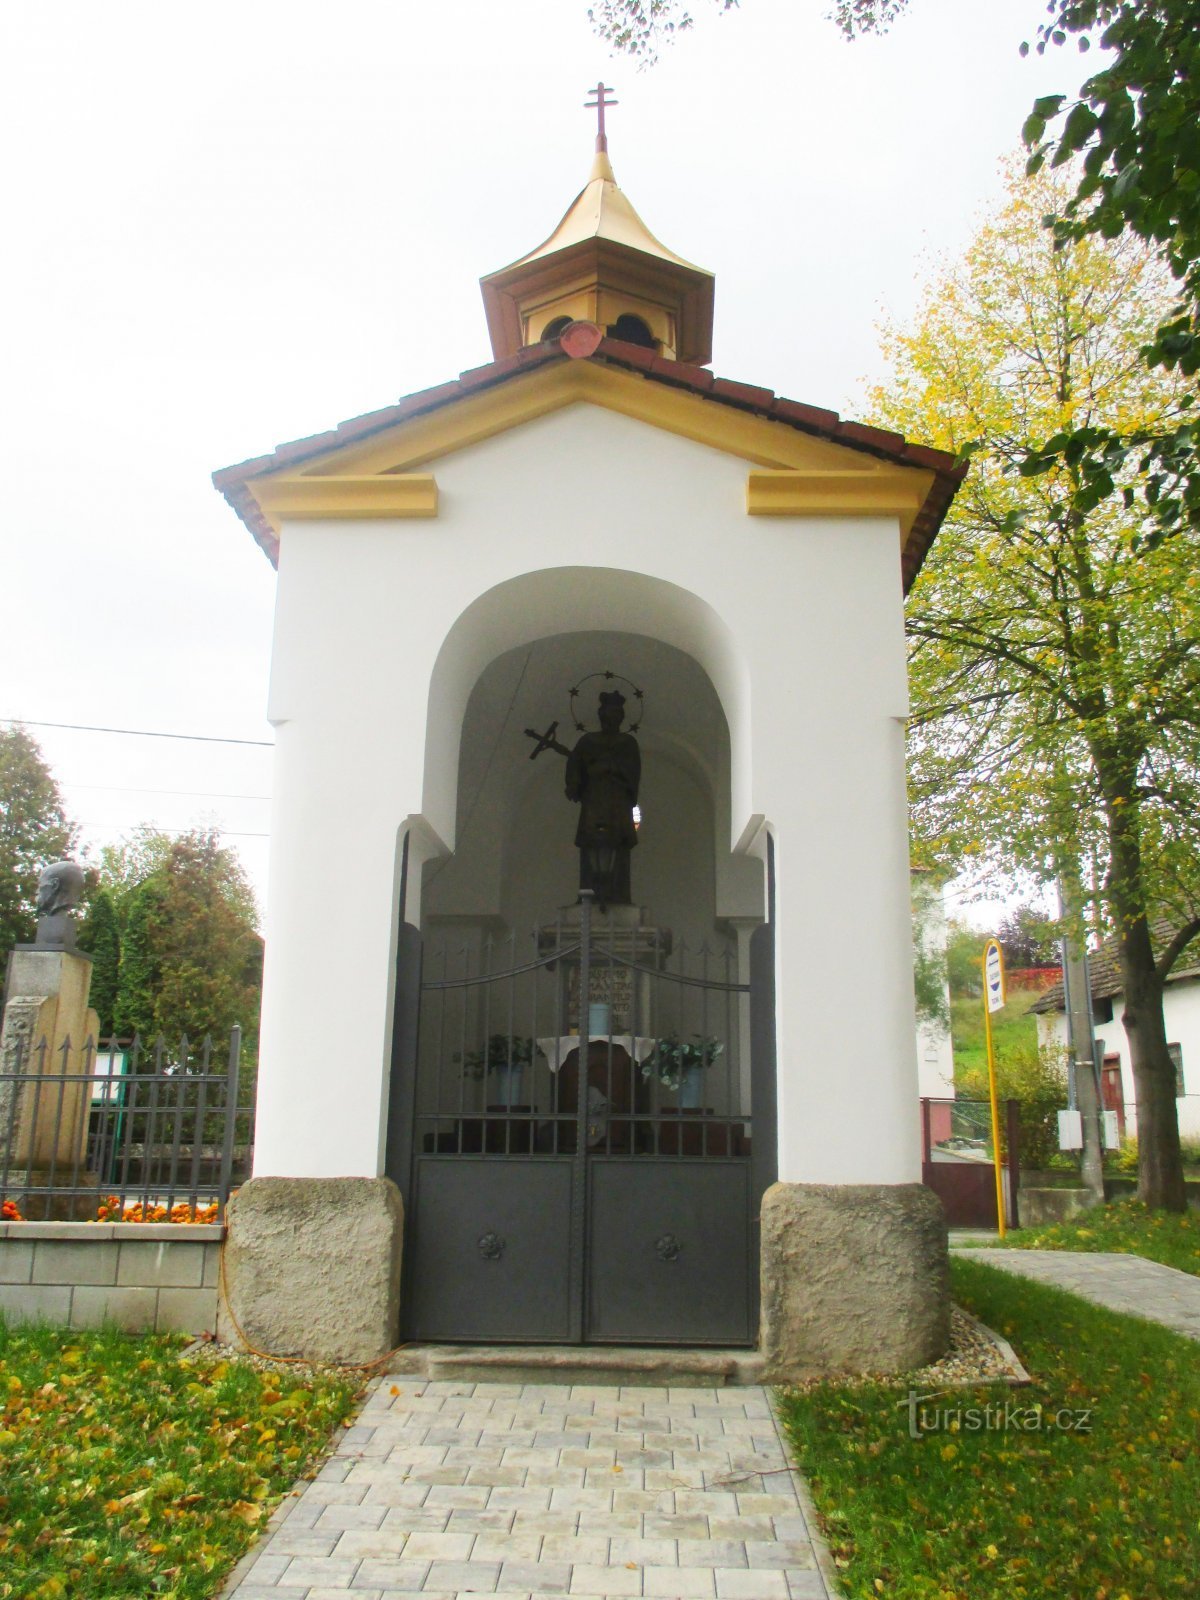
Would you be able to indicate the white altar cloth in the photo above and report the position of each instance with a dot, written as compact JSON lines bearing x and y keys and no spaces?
{"x":556,"y":1050}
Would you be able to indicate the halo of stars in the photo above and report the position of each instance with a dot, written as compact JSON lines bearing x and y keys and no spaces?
{"x":608,"y":677}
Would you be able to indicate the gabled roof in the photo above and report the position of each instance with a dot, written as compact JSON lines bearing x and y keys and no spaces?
{"x":1104,"y":969}
{"x":235,"y":482}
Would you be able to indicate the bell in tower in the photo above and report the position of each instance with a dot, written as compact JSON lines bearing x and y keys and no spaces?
{"x":602,"y":265}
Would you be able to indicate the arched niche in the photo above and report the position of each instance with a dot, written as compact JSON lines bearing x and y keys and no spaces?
{"x":561,"y":601}
{"x":515,"y":863}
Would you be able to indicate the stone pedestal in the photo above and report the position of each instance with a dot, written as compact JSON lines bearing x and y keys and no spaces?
{"x":48,"y":1033}
{"x":312,"y":1268}
{"x":626,"y":933}
{"x":855,"y":1278}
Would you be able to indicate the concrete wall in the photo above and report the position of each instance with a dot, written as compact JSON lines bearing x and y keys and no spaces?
{"x":586,"y":520}
{"x":1181,"y":1012}
{"x":139,"y":1276}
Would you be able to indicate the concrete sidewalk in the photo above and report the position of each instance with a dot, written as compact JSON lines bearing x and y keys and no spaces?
{"x":1131,"y":1284}
{"x":450,"y":1489}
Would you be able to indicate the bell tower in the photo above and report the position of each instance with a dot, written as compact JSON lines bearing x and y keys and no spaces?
{"x":602,"y":265}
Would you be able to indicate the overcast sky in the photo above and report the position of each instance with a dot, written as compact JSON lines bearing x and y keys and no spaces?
{"x":234,"y":224}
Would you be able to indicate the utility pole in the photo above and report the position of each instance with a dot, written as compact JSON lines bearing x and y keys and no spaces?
{"x":1077,"y":997}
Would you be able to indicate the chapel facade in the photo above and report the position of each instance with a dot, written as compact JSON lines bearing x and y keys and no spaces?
{"x":613,"y":1042}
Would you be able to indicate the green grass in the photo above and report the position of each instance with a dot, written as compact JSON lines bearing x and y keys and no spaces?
{"x":126,"y":1472}
{"x":1013,"y":1030}
{"x":1126,"y":1226}
{"x":1104,"y":1514}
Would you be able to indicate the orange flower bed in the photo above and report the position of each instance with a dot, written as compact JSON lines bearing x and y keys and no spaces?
{"x":10,"y":1211}
{"x":110,"y":1210}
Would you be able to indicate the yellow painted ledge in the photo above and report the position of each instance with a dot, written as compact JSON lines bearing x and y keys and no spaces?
{"x":874,"y":491}
{"x":302,"y":498}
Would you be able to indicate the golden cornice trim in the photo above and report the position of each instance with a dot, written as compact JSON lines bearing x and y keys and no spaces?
{"x":417,"y":442}
{"x":300,"y":498}
{"x":865,"y":491}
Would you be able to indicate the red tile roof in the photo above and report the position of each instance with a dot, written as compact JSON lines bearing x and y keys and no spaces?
{"x":233,"y":482}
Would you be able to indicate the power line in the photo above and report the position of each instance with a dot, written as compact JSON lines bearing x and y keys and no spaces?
{"x":134,"y":788}
{"x":141,"y":733}
{"x":226,"y":833}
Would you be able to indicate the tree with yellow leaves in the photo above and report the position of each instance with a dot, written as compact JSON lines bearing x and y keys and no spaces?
{"x":1054,"y":657}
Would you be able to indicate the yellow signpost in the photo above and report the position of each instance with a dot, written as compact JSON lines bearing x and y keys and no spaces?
{"x":993,"y":1000}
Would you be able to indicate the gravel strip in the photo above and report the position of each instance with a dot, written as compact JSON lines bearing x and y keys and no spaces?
{"x":976,"y":1356}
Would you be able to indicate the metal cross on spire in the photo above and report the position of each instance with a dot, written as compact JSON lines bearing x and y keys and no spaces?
{"x":599,"y":106}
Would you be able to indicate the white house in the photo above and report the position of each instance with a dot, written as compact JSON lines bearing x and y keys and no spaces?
{"x":1181,"y":1013}
{"x":452,"y":569}
{"x":935,"y":1046}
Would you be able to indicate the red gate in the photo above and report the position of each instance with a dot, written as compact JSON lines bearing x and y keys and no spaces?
{"x":957,"y":1160}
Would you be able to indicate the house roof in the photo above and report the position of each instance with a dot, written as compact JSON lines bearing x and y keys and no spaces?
{"x":1104,"y":969}
{"x":235,"y":482}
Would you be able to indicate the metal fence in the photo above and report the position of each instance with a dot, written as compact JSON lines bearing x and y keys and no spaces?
{"x":123,"y":1131}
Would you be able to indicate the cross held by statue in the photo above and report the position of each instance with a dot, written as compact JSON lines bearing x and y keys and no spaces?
{"x":599,"y":105}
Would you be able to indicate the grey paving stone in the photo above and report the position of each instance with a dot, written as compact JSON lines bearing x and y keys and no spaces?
{"x":475,"y":1577}
{"x":407,"y":1576}
{"x":551,"y":1577}
{"x":676,"y":1527}
{"x":337,"y":1518}
{"x":334,"y":1493}
{"x":679,"y":1583}
{"x":333,"y":1571}
{"x":547,"y":1522}
{"x":796,"y":1553}
{"x":807,"y":1584}
{"x":480,"y":1521}
{"x":606,"y":1581}
{"x":467,"y":1496}
{"x":734,"y":1583}
{"x":291,"y":1541}
{"x":508,"y":1547}
{"x":269,"y":1567}
{"x":576,"y":1549}
{"x":643,"y":1552}
{"x":439,"y":1546}
{"x":381,"y":1544}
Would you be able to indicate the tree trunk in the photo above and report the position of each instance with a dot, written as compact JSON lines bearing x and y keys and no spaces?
{"x":1160,"y":1164}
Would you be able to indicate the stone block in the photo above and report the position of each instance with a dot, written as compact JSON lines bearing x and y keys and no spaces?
{"x":212,"y":1266}
{"x":312,"y":1267}
{"x":16,"y":1261}
{"x":173,"y":1264}
{"x":29,"y":1303}
{"x":75,"y":1261}
{"x":855,"y":1277}
{"x":187,"y":1311}
{"x":1040,"y":1206}
{"x":133,"y":1310}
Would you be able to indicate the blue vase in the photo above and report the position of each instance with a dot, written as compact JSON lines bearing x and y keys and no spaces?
{"x":509,"y":1083}
{"x":691,"y":1088}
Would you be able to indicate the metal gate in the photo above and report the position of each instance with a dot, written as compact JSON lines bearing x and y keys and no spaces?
{"x":583,"y":1126}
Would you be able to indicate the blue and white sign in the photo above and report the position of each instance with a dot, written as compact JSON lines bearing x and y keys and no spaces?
{"x":993,"y":976}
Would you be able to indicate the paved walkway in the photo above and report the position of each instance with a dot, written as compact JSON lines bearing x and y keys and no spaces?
{"x":1122,"y":1283}
{"x":454,"y":1489}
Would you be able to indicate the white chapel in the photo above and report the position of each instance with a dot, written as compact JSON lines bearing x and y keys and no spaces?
{"x":588,"y":1007}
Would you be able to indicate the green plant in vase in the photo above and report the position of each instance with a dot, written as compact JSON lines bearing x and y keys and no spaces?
{"x":507,"y":1056}
{"x":679,"y":1064}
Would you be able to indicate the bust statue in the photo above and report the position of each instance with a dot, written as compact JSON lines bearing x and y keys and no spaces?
{"x":59,"y":889}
